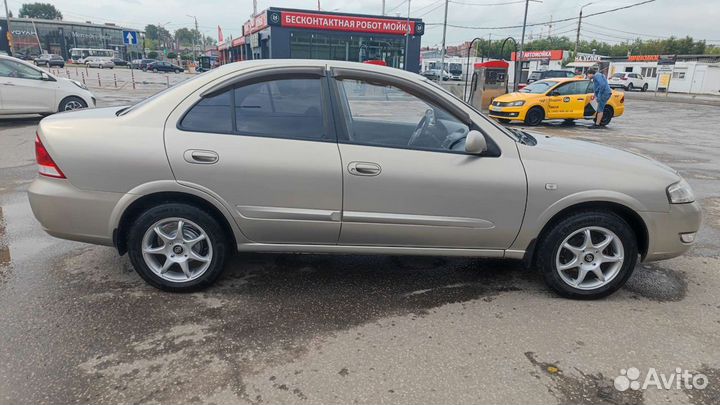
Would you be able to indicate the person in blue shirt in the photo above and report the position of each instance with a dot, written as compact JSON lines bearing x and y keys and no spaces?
{"x":602,"y":91}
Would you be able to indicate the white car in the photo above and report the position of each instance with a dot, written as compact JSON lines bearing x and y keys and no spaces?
{"x":26,"y":89}
{"x":628,"y":81}
{"x":98,"y":62}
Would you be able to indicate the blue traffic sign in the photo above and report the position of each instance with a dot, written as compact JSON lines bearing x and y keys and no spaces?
{"x":130,"y":37}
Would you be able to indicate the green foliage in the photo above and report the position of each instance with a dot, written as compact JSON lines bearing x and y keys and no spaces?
{"x":669,"y":46}
{"x":187,"y":37}
{"x":152,"y":55}
{"x":45,"y":11}
{"x":162,"y":38}
{"x":172,"y":55}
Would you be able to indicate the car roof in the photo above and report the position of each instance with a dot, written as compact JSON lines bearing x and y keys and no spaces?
{"x":563,"y":79}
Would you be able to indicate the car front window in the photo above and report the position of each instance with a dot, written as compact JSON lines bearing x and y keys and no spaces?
{"x":14,"y":69}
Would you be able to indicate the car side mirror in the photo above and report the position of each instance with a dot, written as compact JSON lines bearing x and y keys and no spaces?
{"x":475,"y":143}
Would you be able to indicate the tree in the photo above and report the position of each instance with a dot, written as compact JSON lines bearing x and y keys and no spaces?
{"x":152,"y":55}
{"x":172,"y":55}
{"x":162,"y":37}
{"x":45,"y":11}
{"x":186,"y":36}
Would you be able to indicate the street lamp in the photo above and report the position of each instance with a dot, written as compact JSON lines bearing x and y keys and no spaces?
{"x":193,"y":37}
{"x":577,"y":38}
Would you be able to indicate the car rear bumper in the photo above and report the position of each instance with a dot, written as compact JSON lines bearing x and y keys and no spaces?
{"x":66,"y":212}
{"x":666,"y":228}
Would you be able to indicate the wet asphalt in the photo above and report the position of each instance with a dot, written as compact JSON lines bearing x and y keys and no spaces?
{"x":77,"y":325}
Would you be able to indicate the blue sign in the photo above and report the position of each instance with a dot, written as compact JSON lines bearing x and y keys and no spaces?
{"x":130,"y":37}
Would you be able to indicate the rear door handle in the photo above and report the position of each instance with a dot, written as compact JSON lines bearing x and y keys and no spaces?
{"x":203,"y":157}
{"x":364,"y":168}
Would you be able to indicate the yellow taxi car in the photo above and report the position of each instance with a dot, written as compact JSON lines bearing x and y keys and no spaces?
{"x":557,"y":98}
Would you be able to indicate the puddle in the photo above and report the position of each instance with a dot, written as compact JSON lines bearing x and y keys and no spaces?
{"x":580,"y":388}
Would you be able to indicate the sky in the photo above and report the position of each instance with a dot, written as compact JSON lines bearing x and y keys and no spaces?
{"x":659,"y":19}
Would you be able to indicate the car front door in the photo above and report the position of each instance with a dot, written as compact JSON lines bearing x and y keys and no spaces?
{"x":407,"y":180}
{"x":567,"y":101}
{"x":24,"y":90}
{"x":268,"y":150}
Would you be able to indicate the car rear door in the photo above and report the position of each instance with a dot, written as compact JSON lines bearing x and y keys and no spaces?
{"x":408,"y":188}
{"x":265,"y":146}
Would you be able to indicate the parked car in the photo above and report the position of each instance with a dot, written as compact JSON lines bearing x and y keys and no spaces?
{"x":547,"y":74}
{"x":412,"y":171}
{"x":50,"y":60}
{"x":628,"y":81}
{"x":26,"y":89}
{"x":141,"y":63}
{"x":163,"y":66}
{"x":119,"y":62}
{"x":548,"y":99}
{"x":434,"y":74}
{"x":25,"y":56}
{"x":99,"y":62}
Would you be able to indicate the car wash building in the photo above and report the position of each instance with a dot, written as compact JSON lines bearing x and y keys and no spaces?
{"x":278,"y":33}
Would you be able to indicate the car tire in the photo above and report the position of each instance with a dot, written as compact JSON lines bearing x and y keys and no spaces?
{"x":608,"y":114}
{"x":644,"y":87}
{"x":72,"y":103}
{"x":101,"y":66}
{"x":534,"y":116}
{"x":600,"y":271}
{"x":178,"y":70}
{"x":630,"y":87}
{"x":155,"y":70}
{"x":177,"y":277}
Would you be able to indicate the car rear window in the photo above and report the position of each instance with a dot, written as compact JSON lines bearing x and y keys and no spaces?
{"x":619,"y":75}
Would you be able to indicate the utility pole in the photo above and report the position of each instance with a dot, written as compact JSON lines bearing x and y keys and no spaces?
{"x":442,"y":52}
{"x":9,"y":33}
{"x":407,"y":35}
{"x":383,"y":7}
{"x":577,"y":37}
{"x":519,"y":56}
{"x":197,"y":31}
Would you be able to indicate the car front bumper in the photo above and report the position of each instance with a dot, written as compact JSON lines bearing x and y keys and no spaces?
{"x":665,"y":230}
{"x":509,"y":113}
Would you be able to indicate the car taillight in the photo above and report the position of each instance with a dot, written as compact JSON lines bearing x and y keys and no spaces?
{"x":46,"y":165}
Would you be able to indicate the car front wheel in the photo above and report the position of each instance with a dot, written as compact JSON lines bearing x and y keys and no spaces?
{"x":177,"y":247}
{"x":587,"y":255}
{"x":644,"y":87}
{"x":630,"y":87}
{"x":72,"y":103}
{"x":534,"y":116}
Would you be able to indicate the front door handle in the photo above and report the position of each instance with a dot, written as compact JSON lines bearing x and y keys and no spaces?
{"x":203,"y":157}
{"x":364,"y":168}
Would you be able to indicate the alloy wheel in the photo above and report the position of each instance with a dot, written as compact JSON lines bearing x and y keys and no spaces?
{"x":177,"y":249}
{"x":590,"y":258}
{"x":73,"y":105}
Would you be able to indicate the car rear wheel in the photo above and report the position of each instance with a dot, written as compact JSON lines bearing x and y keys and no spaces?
{"x":155,"y":70}
{"x":72,"y":103}
{"x":630,"y":87}
{"x":587,"y":255}
{"x":177,"y":247}
{"x":644,"y":87}
{"x":534,"y":116}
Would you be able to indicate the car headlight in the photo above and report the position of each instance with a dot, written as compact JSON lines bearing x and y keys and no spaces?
{"x":680,"y":193}
{"x":77,"y":83}
{"x":517,"y":103}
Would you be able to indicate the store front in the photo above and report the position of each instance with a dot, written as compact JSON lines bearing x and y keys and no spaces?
{"x":299,"y":34}
{"x":35,"y":36}
{"x":532,"y":61}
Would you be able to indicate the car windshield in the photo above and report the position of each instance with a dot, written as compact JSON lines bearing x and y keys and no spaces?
{"x":538,"y":87}
{"x":535,"y":75}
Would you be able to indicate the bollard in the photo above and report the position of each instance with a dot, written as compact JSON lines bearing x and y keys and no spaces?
{"x":67,"y":73}
{"x":99,"y":84}
{"x":132,"y":78}
{"x":115,"y":78}
{"x":76,"y":72}
{"x":167,"y":80}
{"x":83,"y":77}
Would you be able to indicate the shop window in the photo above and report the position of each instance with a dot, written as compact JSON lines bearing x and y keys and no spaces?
{"x":649,"y":72}
{"x":678,"y":75}
{"x":628,"y":69}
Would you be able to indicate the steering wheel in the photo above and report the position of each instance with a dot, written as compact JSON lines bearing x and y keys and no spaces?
{"x":426,"y":121}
